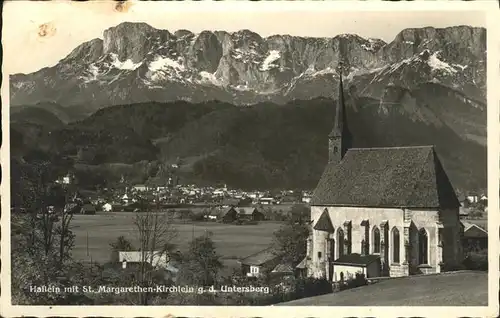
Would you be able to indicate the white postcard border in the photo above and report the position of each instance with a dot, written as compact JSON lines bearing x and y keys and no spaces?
{"x":493,"y":100}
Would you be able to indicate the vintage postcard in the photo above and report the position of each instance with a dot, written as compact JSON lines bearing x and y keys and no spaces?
{"x":250,"y":159}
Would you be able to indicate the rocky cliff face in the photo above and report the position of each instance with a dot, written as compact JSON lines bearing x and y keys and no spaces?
{"x":135,"y":62}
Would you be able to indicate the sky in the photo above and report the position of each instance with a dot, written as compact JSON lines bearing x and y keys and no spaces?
{"x":38,"y":34}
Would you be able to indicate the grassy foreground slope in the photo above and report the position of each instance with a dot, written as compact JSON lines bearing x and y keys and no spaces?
{"x":467,"y":288}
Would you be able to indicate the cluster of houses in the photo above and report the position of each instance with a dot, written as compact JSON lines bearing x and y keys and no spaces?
{"x":233,"y":214}
{"x":473,"y":205}
{"x":140,"y":197}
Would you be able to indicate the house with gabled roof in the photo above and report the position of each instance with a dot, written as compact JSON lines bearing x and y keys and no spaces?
{"x":475,"y":238}
{"x":250,"y":214}
{"x":259,"y":263}
{"x":395,"y":203}
{"x":226,"y":215}
{"x":348,"y":266}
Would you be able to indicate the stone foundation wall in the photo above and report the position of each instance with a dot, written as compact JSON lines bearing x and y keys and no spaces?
{"x":427,"y":270}
{"x":398,"y":271}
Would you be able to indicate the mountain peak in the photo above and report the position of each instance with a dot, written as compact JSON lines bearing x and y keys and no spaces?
{"x":132,"y":26}
{"x":133,"y":40}
{"x":183,"y":33}
{"x":87,"y":52}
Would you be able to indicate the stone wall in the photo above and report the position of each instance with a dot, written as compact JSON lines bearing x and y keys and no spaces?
{"x":407,"y":222}
{"x":398,"y":270}
{"x":375,"y":216}
{"x":452,"y":250}
{"x":428,"y":220}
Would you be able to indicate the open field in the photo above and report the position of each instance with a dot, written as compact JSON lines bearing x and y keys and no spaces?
{"x":232,"y":241}
{"x":466,"y":288}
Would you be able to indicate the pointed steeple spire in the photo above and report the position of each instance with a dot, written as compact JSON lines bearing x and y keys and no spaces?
{"x":339,"y":139}
{"x":338,"y":126}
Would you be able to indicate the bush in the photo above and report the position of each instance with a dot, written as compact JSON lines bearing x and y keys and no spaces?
{"x":359,"y":280}
{"x":447,"y":267}
{"x":308,"y":287}
{"x":477,"y":261}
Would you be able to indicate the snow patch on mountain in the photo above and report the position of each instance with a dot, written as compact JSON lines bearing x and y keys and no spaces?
{"x":93,"y":73}
{"x":242,"y":87}
{"x":165,"y":68}
{"x":161,"y":62}
{"x":461,"y":67}
{"x":368,"y":47}
{"x":436,"y":64}
{"x":372,"y":45}
{"x":125,"y":65}
{"x":328,"y":70}
{"x":269,"y":60}
{"x":209,"y":78}
{"x":237,"y":54}
{"x":394,"y":67}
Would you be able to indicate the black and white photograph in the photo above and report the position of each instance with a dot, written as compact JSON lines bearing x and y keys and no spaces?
{"x":211,"y":156}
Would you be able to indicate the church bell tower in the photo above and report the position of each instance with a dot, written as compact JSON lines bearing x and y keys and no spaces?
{"x":339,"y":139}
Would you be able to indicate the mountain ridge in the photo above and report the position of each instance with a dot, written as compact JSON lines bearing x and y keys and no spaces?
{"x":240,"y":146}
{"x":242,"y":67}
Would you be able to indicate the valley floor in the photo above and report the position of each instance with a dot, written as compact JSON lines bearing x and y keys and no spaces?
{"x":466,"y":288}
{"x":232,"y":241}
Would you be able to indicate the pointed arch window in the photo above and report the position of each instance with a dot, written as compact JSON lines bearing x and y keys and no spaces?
{"x":340,"y":242}
{"x":335,"y":149}
{"x":423,"y":247}
{"x":395,"y":246}
{"x":376,"y":240}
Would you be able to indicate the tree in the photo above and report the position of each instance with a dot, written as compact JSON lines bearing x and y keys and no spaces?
{"x":476,"y":212}
{"x":120,"y":244}
{"x":300,"y":213}
{"x":42,"y":241}
{"x":201,"y":264}
{"x":290,"y":242}
{"x":156,"y":232}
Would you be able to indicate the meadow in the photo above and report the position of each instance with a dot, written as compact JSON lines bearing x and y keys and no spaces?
{"x":94,"y":233}
{"x":467,"y":288}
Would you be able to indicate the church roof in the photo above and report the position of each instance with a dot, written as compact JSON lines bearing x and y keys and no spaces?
{"x":411,"y":177}
{"x":324,"y":223}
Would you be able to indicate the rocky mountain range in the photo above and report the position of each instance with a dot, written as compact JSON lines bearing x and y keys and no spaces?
{"x":135,"y":62}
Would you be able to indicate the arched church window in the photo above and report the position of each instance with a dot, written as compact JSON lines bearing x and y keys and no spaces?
{"x":423,"y":245}
{"x":395,"y":245}
{"x":376,"y":240}
{"x":340,"y":241}
{"x":335,"y":149}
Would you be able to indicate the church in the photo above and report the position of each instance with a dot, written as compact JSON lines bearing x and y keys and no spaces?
{"x":381,"y":211}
